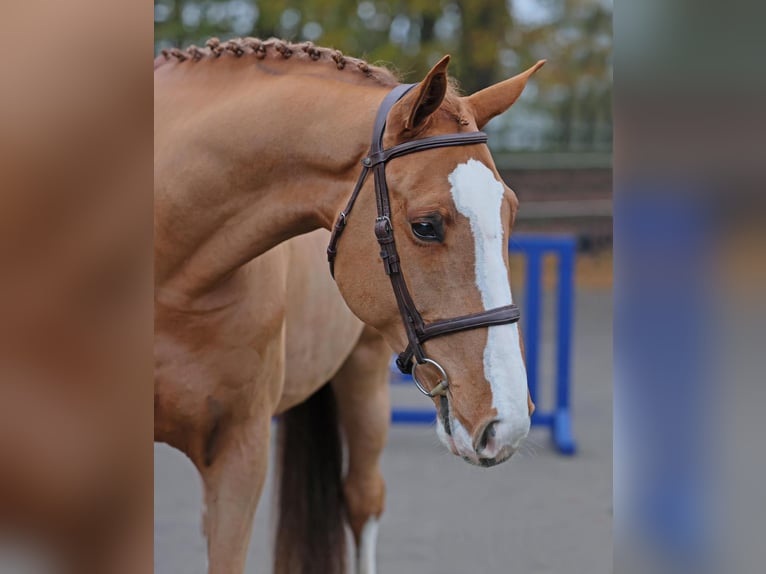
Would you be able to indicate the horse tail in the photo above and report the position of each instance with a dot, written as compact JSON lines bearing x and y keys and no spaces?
{"x":311,"y":537}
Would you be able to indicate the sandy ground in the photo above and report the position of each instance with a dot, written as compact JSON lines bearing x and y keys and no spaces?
{"x":539,"y":513}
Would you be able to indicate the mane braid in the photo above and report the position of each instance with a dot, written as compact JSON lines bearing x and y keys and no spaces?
{"x":278,"y":49}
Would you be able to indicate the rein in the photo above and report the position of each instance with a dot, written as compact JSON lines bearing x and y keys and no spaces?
{"x":418,"y":331}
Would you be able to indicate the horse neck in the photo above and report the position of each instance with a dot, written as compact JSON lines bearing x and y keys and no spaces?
{"x":247,"y":161}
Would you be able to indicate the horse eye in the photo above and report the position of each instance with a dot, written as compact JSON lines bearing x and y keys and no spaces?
{"x":425,"y":230}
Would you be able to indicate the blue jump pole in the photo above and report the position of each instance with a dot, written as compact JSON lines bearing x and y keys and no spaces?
{"x":531,"y":316}
{"x":562,"y":426}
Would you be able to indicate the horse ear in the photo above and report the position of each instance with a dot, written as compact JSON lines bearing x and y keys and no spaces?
{"x":494,"y":100}
{"x":424,"y":100}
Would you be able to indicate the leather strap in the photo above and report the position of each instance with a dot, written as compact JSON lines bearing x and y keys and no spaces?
{"x":377,"y":144}
{"x":340,"y":224}
{"x":497,"y":316}
{"x":416,"y":329}
{"x":432,"y":142}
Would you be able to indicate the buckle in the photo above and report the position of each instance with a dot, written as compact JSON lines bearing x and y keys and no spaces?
{"x":340,"y":223}
{"x":404,"y":365}
{"x":383,"y":230}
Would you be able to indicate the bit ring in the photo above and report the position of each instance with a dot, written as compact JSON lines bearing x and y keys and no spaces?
{"x":441,"y":386}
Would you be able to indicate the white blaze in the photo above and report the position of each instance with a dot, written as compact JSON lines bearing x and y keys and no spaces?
{"x":479,"y":196}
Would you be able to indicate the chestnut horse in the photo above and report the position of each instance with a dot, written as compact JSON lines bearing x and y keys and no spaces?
{"x":257,"y":142}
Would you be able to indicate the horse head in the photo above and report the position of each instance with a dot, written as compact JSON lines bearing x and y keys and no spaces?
{"x":451,"y":216}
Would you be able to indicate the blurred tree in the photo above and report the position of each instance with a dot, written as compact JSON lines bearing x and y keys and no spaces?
{"x":570,"y":103}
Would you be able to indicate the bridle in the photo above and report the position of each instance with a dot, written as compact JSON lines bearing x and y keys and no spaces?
{"x":418,"y":332}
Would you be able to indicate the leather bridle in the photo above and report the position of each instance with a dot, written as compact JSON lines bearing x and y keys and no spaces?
{"x":418,"y":332}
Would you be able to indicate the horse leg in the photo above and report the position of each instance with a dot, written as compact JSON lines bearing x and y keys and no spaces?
{"x":361,"y":388}
{"x":233,"y":473}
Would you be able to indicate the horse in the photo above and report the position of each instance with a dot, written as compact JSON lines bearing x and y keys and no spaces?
{"x":260,"y":142}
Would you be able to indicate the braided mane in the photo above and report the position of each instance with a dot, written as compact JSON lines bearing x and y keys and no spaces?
{"x":282,"y":50}
{"x":273,"y":47}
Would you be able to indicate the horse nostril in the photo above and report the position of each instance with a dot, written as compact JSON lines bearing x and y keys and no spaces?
{"x":489,"y":433}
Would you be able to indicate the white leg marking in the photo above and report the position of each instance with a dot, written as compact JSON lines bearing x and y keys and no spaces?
{"x":366,"y":550}
{"x":479,"y":196}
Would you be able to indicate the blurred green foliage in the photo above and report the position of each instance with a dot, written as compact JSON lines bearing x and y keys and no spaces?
{"x":567,"y":107}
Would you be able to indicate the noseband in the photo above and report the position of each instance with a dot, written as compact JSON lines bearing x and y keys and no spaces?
{"x":418,"y":331}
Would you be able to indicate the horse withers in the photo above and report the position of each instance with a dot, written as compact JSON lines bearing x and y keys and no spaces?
{"x":257,"y":142}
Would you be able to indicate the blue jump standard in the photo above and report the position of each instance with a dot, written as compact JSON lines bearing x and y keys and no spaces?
{"x":559,"y":419}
